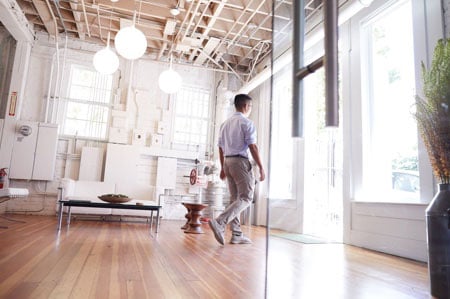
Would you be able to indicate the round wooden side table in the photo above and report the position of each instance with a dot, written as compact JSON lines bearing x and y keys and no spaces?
{"x":193,"y":224}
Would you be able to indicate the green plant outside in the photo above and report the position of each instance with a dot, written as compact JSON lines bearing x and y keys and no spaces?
{"x":432,"y":112}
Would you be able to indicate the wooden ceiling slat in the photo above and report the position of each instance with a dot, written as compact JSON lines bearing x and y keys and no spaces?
{"x":238,"y":25}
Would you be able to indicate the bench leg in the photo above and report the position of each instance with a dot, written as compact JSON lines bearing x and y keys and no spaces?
{"x":60,"y":215}
{"x":69,"y":214}
{"x":151,"y":221}
{"x":157,"y":220}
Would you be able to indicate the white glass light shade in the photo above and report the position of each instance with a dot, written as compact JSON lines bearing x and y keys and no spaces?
{"x":130,"y":42}
{"x":174,"y":11}
{"x":169,"y":81}
{"x":106,"y":61}
{"x":228,"y":94}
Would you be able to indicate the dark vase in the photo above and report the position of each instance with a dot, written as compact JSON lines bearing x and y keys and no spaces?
{"x":438,"y":242}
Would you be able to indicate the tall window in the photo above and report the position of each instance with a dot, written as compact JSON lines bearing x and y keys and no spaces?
{"x":88,"y":103}
{"x":281,"y":146}
{"x":323,"y":210}
{"x":390,"y":139}
{"x":192,"y":116}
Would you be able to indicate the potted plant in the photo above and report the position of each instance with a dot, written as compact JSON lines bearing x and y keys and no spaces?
{"x":433,"y":120}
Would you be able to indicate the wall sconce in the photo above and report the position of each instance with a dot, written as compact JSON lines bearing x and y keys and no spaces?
{"x":106,"y":61}
{"x":25,"y":130}
{"x":228,"y":95}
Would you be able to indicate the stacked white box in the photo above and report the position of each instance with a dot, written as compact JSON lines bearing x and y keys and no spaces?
{"x":118,"y":135}
{"x":139,"y":137}
{"x":162,"y":128}
{"x":156,"y":140}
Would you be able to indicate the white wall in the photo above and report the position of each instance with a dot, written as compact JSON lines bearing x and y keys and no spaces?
{"x":397,"y":229}
{"x":392,"y":228}
{"x":138,"y":77}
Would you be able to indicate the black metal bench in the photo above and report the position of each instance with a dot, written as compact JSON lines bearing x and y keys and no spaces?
{"x":89,"y":204}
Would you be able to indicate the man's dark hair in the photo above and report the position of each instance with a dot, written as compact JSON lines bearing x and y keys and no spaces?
{"x":240,"y":100}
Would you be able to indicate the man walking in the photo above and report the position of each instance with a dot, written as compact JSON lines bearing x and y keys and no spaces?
{"x":236,"y":137}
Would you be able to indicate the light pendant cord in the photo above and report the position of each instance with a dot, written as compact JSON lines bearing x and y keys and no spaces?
{"x":139,"y":16}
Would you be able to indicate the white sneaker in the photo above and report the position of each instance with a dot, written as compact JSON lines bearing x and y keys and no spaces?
{"x":240,"y":240}
{"x":217,"y":230}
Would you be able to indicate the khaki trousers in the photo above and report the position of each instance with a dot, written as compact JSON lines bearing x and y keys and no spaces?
{"x":241,"y":185}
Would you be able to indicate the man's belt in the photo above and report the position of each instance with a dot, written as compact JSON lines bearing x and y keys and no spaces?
{"x":236,"y":156}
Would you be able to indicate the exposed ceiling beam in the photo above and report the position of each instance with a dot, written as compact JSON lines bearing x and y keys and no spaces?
{"x":214,"y":33}
{"x":47,"y":16}
{"x":77,"y":17}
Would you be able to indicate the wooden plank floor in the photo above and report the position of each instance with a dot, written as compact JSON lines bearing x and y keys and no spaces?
{"x":95,"y":259}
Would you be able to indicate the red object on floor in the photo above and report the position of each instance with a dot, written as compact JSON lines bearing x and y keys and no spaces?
{"x":204,"y":219}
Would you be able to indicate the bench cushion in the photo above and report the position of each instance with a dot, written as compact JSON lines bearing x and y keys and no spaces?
{"x":89,"y":190}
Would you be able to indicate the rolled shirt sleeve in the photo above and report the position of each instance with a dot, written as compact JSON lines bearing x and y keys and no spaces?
{"x":249,"y":133}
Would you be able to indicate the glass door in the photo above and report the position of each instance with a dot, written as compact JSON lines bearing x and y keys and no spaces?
{"x":323,"y":166}
{"x":305,"y":174}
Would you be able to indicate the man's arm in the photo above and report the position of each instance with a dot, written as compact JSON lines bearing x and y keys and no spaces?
{"x":255,"y":154}
{"x":221,"y":158}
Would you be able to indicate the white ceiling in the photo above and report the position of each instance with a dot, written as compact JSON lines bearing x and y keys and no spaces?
{"x":231,"y":35}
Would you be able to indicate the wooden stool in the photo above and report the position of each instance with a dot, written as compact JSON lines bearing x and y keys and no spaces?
{"x":193,"y":224}
{"x":188,"y":218}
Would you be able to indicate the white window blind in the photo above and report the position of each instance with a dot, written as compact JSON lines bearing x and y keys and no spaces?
{"x":88,"y":103}
{"x":391,"y":146}
{"x":192,"y":116}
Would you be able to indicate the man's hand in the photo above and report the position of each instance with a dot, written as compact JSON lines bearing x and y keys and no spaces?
{"x":222,"y":174}
{"x":262,"y":174}
{"x":255,"y":154}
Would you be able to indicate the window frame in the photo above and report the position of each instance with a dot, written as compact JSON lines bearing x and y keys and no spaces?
{"x":191,"y":146}
{"x":284,"y":78}
{"x":62,"y":111}
{"x":361,"y":110}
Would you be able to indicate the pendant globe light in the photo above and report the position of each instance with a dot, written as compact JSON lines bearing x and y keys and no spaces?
{"x":130,"y":42}
{"x":169,"y":80}
{"x":105,"y":60}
